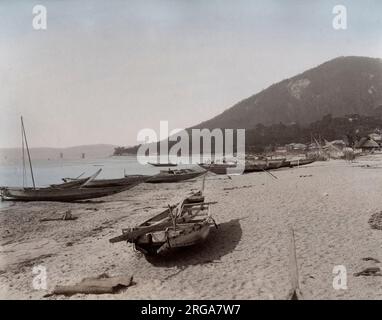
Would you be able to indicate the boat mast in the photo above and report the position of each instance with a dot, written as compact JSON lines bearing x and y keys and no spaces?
{"x":29,"y":156}
{"x":23,"y":157}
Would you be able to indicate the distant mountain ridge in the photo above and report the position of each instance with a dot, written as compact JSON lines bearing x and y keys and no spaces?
{"x":344,"y":85}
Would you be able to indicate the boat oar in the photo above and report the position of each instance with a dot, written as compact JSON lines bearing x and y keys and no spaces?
{"x":203,"y":181}
{"x":80,"y":175}
{"x":91,"y":178}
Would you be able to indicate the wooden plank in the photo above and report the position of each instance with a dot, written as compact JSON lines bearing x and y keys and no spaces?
{"x":295,"y":293}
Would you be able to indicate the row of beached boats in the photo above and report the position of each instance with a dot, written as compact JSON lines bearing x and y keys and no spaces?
{"x":90,"y":188}
{"x":76,"y":189}
{"x":256,"y":165}
{"x":183,"y":224}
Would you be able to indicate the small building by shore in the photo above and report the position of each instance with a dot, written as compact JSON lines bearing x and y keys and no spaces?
{"x":367,"y":144}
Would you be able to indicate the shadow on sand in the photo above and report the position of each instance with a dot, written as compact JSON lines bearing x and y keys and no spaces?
{"x":220,"y":242}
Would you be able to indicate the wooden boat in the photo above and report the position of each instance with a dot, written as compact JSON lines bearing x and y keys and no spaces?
{"x":255,"y":166}
{"x":184,"y":224}
{"x":75,"y":183}
{"x":301,"y":162}
{"x":263,"y":165}
{"x":217,"y":168}
{"x":128,"y":181}
{"x":163,"y":164}
{"x":57,"y":194}
{"x":275,"y":164}
{"x":286,"y":164}
{"x":174,"y":175}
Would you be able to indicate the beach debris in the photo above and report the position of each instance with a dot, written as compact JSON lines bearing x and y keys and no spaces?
{"x":68,"y":215}
{"x":92,"y":209}
{"x":325,"y":194}
{"x":306,"y":175}
{"x":65,"y":217}
{"x":371,"y":259}
{"x":97,"y":285}
{"x":371,"y":271}
{"x":375,"y":221}
{"x":234,"y":188}
{"x":368,"y":166}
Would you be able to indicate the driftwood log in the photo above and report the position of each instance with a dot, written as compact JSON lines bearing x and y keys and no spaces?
{"x":371,"y":271}
{"x":98,"y":285}
{"x":65,"y":217}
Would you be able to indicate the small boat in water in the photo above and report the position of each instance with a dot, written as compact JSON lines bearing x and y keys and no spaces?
{"x":174,"y":175}
{"x":182,"y":225}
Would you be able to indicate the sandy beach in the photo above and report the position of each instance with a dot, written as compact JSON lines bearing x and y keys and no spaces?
{"x":328,"y":204}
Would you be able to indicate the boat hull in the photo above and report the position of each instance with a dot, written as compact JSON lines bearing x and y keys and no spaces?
{"x":128,"y":181}
{"x":160,"y":243}
{"x":166,"y":178}
{"x":301,"y":162}
{"x":163,"y":164}
{"x":217,"y":168}
{"x":60,"y":195}
{"x":263,"y":165}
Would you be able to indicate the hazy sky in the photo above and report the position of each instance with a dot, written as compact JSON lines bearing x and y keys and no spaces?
{"x":105,"y":69}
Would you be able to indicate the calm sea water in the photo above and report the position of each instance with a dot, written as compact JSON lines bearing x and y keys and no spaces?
{"x":52,"y":171}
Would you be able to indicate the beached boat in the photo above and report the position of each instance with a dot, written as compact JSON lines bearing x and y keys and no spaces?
{"x":286,"y":164}
{"x":174,"y":175}
{"x":301,"y":162}
{"x":275,"y":164}
{"x":53,"y":193}
{"x":182,"y":225}
{"x":163,"y":164}
{"x":127,"y":181}
{"x":254,"y":167}
{"x":217,"y":168}
{"x":264,"y":165}
{"x":56,"y":194}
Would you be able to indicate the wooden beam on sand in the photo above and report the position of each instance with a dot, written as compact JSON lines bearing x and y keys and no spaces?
{"x":294,"y":293}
